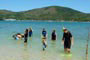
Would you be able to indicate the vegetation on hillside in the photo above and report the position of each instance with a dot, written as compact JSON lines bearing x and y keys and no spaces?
{"x":56,"y":13}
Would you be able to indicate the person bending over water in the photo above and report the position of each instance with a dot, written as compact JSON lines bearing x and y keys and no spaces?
{"x":44,"y":36}
{"x":30,"y":32}
{"x":26,"y":36}
{"x":53,"y":37}
{"x":67,"y":40}
{"x":18,"y":36}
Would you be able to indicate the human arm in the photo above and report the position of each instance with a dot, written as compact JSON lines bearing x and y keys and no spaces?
{"x":72,"y":40}
{"x":63,"y":39}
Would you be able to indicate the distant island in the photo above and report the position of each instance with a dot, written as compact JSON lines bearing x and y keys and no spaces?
{"x":55,"y":13}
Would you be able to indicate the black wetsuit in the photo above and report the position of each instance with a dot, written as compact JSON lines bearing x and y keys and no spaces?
{"x":67,"y":40}
{"x":53,"y":36}
{"x":25,"y":37}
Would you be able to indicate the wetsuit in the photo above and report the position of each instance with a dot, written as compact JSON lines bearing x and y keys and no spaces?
{"x":25,"y":37}
{"x":67,"y":40}
{"x":44,"y":33}
{"x":53,"y":36}
{"x":30,"y":33}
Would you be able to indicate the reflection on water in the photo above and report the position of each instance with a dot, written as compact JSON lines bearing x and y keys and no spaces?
{"x":67,"y":58}
{"x":25,"y":45}
{"x":30,"y":38}
{"x":53,"y":43}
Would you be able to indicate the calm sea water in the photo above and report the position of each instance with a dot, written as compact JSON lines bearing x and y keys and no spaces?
{"x":11,"y":49}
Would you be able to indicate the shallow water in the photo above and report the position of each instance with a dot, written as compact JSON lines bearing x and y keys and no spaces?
{"x":11,"y":49}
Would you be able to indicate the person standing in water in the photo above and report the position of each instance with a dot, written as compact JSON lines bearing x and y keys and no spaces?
{"x":67,"y":40}
{"x":53,"y":37}
{"x":30,"y":32}
{"x":26,"y":36}
{"x":44,"y":42}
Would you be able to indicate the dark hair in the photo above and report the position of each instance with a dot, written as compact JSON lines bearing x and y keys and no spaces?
{"x":54,"y":30}
{"x":26,"y":30}
{"x":43,"y":29}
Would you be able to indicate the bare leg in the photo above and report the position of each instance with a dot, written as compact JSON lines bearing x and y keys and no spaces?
{"x":68,"y":50}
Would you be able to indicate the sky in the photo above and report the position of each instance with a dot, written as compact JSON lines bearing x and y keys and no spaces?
{"x":23,"y":5}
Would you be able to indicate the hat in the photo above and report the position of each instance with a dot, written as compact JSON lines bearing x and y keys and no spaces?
{"x":64,"y":29}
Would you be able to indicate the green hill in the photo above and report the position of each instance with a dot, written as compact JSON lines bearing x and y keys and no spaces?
{"x":47,"y":13}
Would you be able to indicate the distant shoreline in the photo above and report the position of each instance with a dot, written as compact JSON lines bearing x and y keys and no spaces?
{"x":45,"y":20}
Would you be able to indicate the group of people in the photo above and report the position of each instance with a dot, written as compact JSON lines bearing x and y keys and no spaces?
{"x":67,"y":38}
{"x":27,"y":33}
